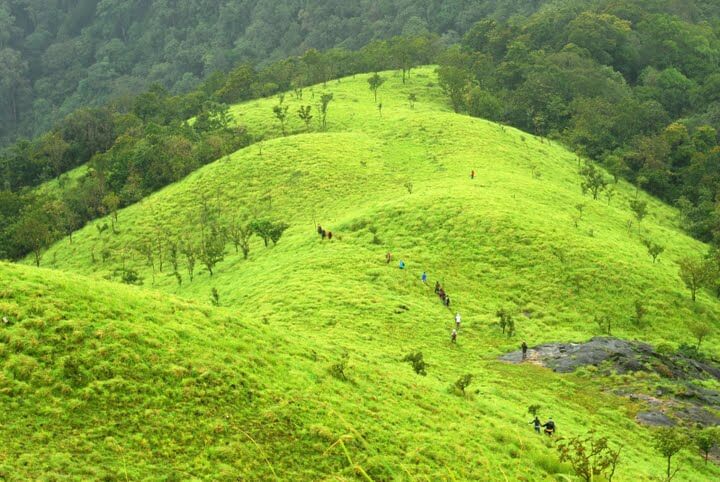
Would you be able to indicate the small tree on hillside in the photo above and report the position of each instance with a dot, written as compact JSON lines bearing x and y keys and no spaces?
{"x":375,"y":81}
{"x":590,"y":456}
{"x":668,"y":442}
{"x":305,"y":115}
{"x":700,"y":331}
{"x":593,"y":180}
{"x":639,"y":209}
{"x":610,"y":194}
{"x":694,"y":273}
{"x":706,"y":440}
{"x":325,"y":100}
{"x":281,"y":113}
{"x":640,"y":312}
{"x":111,"y":203}
{"x":33,"y":233}
{"x":654,"y":249}
{"x":212,"y":248}
{"x":189,"y":250}
{"x":240,"y":232}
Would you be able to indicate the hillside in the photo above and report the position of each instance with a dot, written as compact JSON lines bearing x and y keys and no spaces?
{"x":399,"y":180}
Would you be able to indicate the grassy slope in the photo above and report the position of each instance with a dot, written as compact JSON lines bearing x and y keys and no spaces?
{"x":505,"y":239}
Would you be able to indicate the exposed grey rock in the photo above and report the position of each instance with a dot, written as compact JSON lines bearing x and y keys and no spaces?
{"x":655,"y":419}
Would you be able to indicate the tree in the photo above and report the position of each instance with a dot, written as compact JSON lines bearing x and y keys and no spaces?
{"x":189,"y":250}
{"x":668,"y":442}
{"x":654,"y":249}
{"x":212,"y":247}
{"x":325,"y":100}
{"x":694,"y":273}
{"x":706,"y":440}
{"x":463,"y":382}
{"x":268,"y":230}
{"x":111,"y":203}
{"x":589,"y":456}
{"x":33,"y":232}
{"x":240,"y":231}
{"x":639,"y":208}
{"x":700,"y":331}
{"x":280,"y":112}
{"x":593,"y":180}
{"x":375,"y":81}
{"x":305,"y":115}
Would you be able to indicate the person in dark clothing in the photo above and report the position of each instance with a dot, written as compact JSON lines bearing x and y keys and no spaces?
{"x":323,"y":234}
{"x":472,"y":174}
{"x":453,"y":336}
{"x":537,"y":424}
{"x":549,"y":427}
{"x":437,"y":287}
{"x":329,"y":235}
{"x":388,"y":257}
{"x":319,"y":230}
{"x":447,"y":301}
{"x":524,"y":349}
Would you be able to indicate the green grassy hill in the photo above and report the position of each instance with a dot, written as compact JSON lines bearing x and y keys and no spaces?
{"x":396,"y":180}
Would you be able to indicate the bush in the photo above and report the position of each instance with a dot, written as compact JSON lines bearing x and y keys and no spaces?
{"x":337,"y":370}
{"x":463,"y":382}
{"x":417,"y":362}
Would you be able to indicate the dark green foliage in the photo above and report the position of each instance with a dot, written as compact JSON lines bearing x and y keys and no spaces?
{"x":337,"y":370}
{"x":668,"y":442}
{"x":639,"y":208}
{"x":268,"y":230}
{"x":212,"y":247}
{"x":706,"y":440}
{"x":654,"y":249}
{"x":375,"y":82}
{"x":640,"y":312}
{"x":534,"y":410}
{"x":590,"y":456}
{"x":506,"y":321}
{"x":417,"y":362}
{"x":304,"y":112}
{"x":462,"y":383}
{"x":695,"y":273}
{"x":215,"y":297}
{"x":593,"y":180}
{"x":281,"y":113}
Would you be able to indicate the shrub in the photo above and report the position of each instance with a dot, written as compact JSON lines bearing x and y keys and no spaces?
{"x":417,"y":362}
{"x":337,"y":370}
{"x":463,"y":382}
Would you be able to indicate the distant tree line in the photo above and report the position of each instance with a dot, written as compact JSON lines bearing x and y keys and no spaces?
{"x":57,"y":56}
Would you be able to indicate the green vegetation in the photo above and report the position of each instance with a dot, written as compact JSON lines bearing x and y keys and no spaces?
{"x":60,"y":56}
{"x":318,"y":331}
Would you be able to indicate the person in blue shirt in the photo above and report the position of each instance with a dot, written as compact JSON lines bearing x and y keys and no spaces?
{"x":424,"y":277}
{"x":402,"y":264}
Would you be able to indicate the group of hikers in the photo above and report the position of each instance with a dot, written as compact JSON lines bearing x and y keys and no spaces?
{"x":549,"y":426}
{"x":440,"y":291}
{"x":324,"y":234}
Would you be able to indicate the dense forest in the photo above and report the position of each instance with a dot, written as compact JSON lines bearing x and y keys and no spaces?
{"x":60,"y":55}
{"x":633,"y":85}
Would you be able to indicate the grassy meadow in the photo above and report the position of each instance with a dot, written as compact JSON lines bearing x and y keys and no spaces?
{"x":153,"y":382}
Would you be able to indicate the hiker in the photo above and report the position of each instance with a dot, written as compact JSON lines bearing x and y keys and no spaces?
{"x":437,"y":287}
{"x":537,"y":424}
{"x":424,"y":277}
{"x":447,"y":301}
{"x":319,"y":230}
{"x":524,"y":349}
{"x":388,"y":257}
{"x":472,"y":174}
{"x":457,"y":320}
{"x":441,"y":294}
{"x":402,"y":264}
{"x":323,"y":234}
{"x":453,"y":336}
{"x":329,"y":235}
{"x":549,"y":427}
